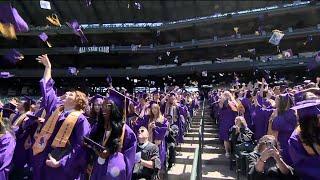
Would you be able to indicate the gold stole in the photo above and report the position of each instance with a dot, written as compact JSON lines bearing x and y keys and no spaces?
{"x":63,"y":133}
{"x":43,"y":115}
{"x":309,"y":149}
{"x":20,"y":119}
{"x":28,"y":143}
{"x":240,"y":107}
{"x":65,"y":130}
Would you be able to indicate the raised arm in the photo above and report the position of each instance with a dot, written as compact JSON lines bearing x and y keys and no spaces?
{"x":43,"y":59}
{"x":48,"y":94}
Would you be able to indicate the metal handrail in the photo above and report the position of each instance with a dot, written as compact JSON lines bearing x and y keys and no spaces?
{"x":196,"y":173}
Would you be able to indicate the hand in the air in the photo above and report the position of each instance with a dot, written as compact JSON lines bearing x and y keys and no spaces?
{"x":43,"y":59}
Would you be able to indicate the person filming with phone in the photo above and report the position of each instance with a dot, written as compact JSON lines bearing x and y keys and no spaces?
{"x":265,"y":162}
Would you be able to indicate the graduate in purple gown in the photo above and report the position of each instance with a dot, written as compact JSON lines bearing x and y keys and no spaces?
{"x":96,"y":102}
{"x":7,"y":146}
{"x":143,"y":109}
{"x":304,"y":143}
{"x":284,"y":124}
{"x":22,"y":127}
{"x":172,"y":108}
{"x":132,"y":116}
{"x":246,"y":102}
{"x":58,"y":152}
{"x":228,"y":112}
{"x":117,"y":160}
{"x":157,"y":127}
{"x":260,"y":119}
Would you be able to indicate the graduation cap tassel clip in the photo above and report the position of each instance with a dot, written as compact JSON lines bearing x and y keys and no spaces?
{"x":54,"y":19}
{"x":8,"y":31}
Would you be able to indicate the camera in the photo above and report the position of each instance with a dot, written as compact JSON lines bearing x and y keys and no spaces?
{"x":269,"y":145}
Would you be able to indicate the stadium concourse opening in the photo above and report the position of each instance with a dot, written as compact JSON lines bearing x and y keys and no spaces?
{"x":170,"y":90}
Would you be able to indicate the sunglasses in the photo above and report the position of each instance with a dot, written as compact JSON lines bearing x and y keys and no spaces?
{"x":141,"y":131}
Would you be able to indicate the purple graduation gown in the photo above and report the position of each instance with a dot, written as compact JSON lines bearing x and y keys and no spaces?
{"x":21,"y":155}
{"x":7,"y":146}
{"x":285,"y":125}
{"x":226,"y":121}
{"x":124,"y":161}
{"x":248,"y":109}
{"x":263,"y":102}
{"x":74,"y":162}
{"x":307,"y":166}
{"x":260,"y":120}
{"x":159,"y":133}
{"x":114,"y":168}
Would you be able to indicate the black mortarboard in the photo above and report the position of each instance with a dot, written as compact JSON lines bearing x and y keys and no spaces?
{"x":29,"y":100}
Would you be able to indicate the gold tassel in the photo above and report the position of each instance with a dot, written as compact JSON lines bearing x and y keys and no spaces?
{"x":20,"y":57}
{"x":48,"y":44}
{"x":53,"y":19}
{"x":8,"y":31}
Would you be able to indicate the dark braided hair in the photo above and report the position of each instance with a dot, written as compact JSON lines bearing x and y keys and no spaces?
{"x":310,"y":131}
{"x":116,"y":122}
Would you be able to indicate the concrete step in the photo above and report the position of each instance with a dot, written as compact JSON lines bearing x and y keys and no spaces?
{"x":198,"y":121}
{"x":205,"y":134}
{"x":205,"y":123}
{"x":179,"y":172}
{"x":215,"y":172}
{"x":194,"y":140}
{"x":186,"y":147}
{"x":205,"y":126}
{"x":209,"y":130}
{"x":207,"y":159}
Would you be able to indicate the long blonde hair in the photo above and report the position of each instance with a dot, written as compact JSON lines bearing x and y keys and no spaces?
{"x":159,"y":115}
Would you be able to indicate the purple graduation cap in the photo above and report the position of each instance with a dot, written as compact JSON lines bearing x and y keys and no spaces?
{"x":73,"y":71}
{"x":44,"y":37}
{"x":95,"y":97}
{"x":5,"y":75}
{"x":276,"y":37}
{"x":13,"y":56}
{"x":307,"y":108}
{"x":120,"y":100}
{"x":76,"y":28}
{"x":109,"y":81}
{"x":314,"y":63}
{"x":9,"y":15}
